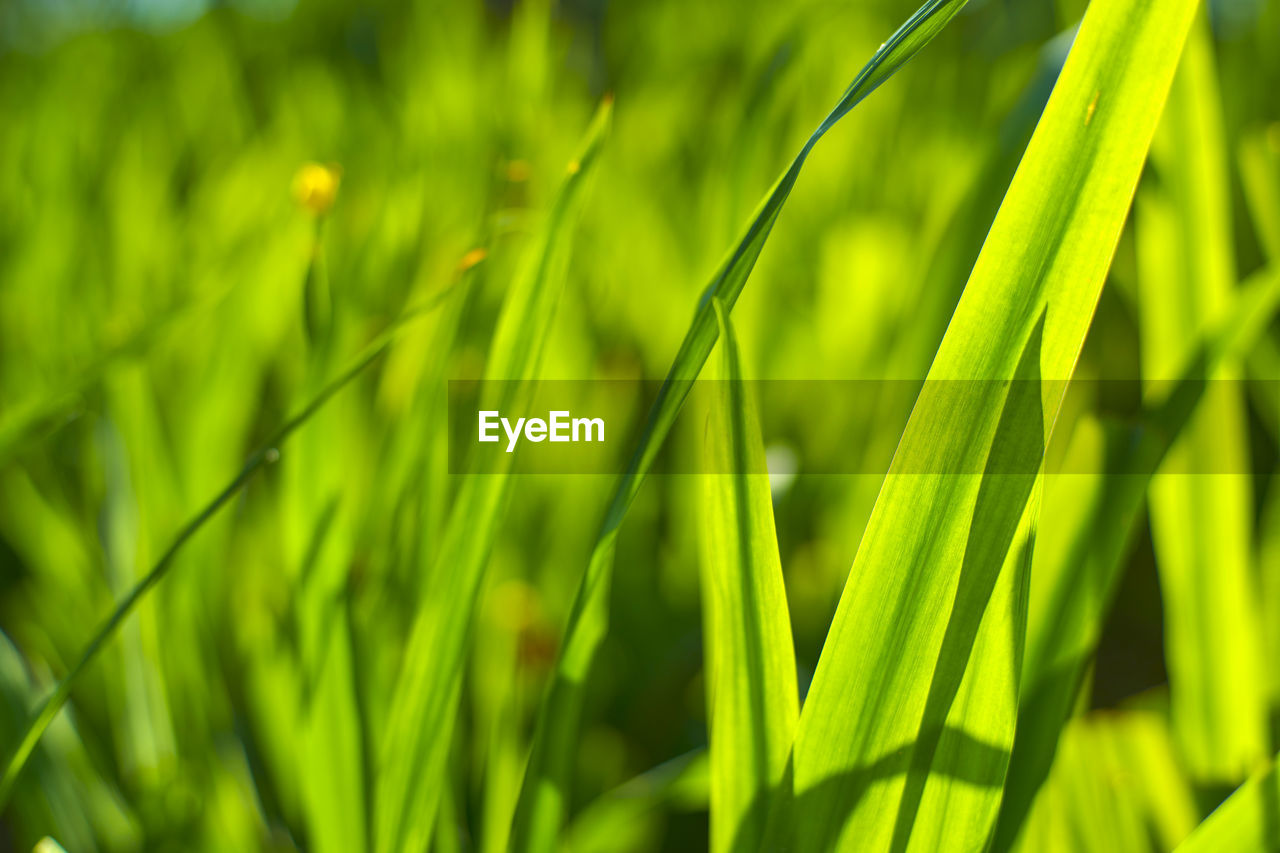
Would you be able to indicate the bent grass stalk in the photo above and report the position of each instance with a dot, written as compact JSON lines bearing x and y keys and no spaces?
{"x":543,"y":800}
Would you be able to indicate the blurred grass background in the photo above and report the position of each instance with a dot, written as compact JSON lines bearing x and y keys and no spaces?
{"x":153,"y":264}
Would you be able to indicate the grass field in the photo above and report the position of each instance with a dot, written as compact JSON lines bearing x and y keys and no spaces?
{"x":250,"y":599}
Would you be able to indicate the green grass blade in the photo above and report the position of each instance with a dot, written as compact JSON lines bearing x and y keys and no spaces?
{"x":1249,"y":820}
{"x":750,"y":672}
{"x":542,"y":806}
{"x":1201,"y":525}
{"x":264,"y":455}
{"x":875,"y":757}
{"x":416,"y":744}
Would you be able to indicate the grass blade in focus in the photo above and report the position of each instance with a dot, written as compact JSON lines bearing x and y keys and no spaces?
{"x":899,"y":651}
{"x":750,"y":673}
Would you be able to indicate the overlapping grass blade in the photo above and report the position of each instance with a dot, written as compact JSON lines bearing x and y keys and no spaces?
{"x":750,"y":669}
{"x":931,"y":617}
{"x":543,"y":798}
{"x":1201,"y":525}
{"x":1249,"y":820}
{"x":424,"y":705}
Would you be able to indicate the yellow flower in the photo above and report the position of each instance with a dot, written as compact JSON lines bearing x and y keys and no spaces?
{"x":470,"y":259}
{"x":315,"y":187}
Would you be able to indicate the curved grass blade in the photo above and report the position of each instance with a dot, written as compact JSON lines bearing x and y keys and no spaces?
{"x":892,"y":750}
{"x":266,"y":454}
{"x":750,"y":670}
{"x":424,"y":703}
{"x":543,"y":797}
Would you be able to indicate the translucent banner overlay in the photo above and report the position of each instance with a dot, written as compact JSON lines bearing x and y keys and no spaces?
{"x":816,"y":427}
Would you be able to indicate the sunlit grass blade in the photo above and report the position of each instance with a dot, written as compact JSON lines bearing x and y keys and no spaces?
{"x":878,"y":747}
{"x":266,"y":454}
{"x":416,"y":743}
{"x":1249,"y":820}
{"x":1201,"y":525}
{"x":1079,"y":566}
{"x":543,"y":798}
{"x":750,"y":670}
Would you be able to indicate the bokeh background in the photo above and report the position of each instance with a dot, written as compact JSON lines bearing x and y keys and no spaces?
{"x":153,"y":330}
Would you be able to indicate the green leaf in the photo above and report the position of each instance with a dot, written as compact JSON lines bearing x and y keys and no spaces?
{"x":1201,"y":525}
{"x":543,"y":798}
{"x":750,"y":667}
{"x":920,"y":671}
{"x":1248,"y":820}
{"x":424,"y":705}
